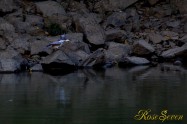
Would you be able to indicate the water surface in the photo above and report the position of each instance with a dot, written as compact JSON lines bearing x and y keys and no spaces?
{"x":111,"y":96}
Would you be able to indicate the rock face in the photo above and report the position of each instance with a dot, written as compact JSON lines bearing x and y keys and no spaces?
{"x":49,"y":8}
{"x":7,"y":6}
{"x":7,"y":30}
{"x":116,"y":51}
{"x":115,"y":35}
{"x":91,"y":29}
{"x":117,"y":19}
{"x":175,"y":52}
{"x":95,"y":59}
{"x":152,"y":2}
{"x":10,"y":61}
{"x":185,"y":27}
{"x":38,"y":44}
{"x":9,"y":65}
{"x":21,"y":43}
{"x":155,"y":38}
{"x":37,"y":67}
{"x":104,"y":32}
{"x":181,"y":5}
{"x":133,"y":61}
{"x":141,"y":47}
{"x":113,"y":5}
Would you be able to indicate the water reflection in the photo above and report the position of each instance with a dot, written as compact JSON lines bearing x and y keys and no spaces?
{"x":111,"y":96}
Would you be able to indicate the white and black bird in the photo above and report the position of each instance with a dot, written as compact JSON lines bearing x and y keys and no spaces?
{"x":58,"y":43}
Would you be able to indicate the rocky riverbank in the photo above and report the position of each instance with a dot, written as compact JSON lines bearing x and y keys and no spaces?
{"x":102,"y":33}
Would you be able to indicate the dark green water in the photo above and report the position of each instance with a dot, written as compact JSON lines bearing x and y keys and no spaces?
{"x":112,"y":96}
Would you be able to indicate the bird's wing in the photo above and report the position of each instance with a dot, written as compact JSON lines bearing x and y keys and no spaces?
{"x":55,"y":43}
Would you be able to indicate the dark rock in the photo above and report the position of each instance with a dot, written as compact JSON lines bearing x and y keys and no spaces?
{"x":76,"y":43}
{"x":35,"y":20}
{"x":117,"y":19}
{"x":95,"y":59}
{"x":75,"y":37}
{"x":7,"y":30}
{"x":113,"y":5}
{"x":155,"y":38}
{"x":9,"y":65}
{"x":116,"y":51}
{"x":185,"y":27}
{"x":49,"y":8}
{"x":184,"y":39}
{"x":3,"y":45}
{"x":133,"y":61}
{"x":141,"y":47}
{"x":115,"y":35}
{"x":175,"y":52}
{"x":6,"y":26}
{"x":93,"y":31}
{"x":162,"y":11}
{"x":181,"y":6}
{"x":173,"y":23}
{"x":78,"y":7}
{"x":76,"y":56}
{"x":21,"y":43}
{"x":63,"y":21}
{"x":10,"y":61}
{"x":170,"y":35}
{"x":74,"y":53}
{"x":7,"y":6}
{"x":37,"y":67}
{"x":57,"y":57}
{"x":152,"y":2}
{"x":39,"y":44}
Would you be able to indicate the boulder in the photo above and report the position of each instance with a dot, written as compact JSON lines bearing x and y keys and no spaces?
{"x":39,"y":44}
{"x":9,"y":65}
{"x":117,"y":19}
{"x":49,"y":8}
{"x":95,"y":59}
{"x":173,"y":23}
{"x":37,"y":67}
{"x":133,"y":61}
{"x":57,"y":57}
{"x":115,"y":35}
{"x":76,"y":43}
{"x":184,"y":38}
{"x":170,"y":35}
{"x":3,"y":44}
{"x":21,"y":43}
{"x":7,"y":6}
{"x":113,"y":5}
{"x":75,"y":37}
{"x":75,"y":51}
{"x":181,"y":5}
{"x":141,"y":47}
{"x":7,"y":30}
{"x":152,"y":2}
{"x":35,"y":20}
{"x":63,"y":21}
{"x":116,"y":51}
{"x":6,"y":26}
{"x":155,"y":37}
{"x":175,"y":52}
{"x":185,"y":27}
{"x":10,"y":60}
{"x":57,"y":61}
{"x":91,"y":29}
